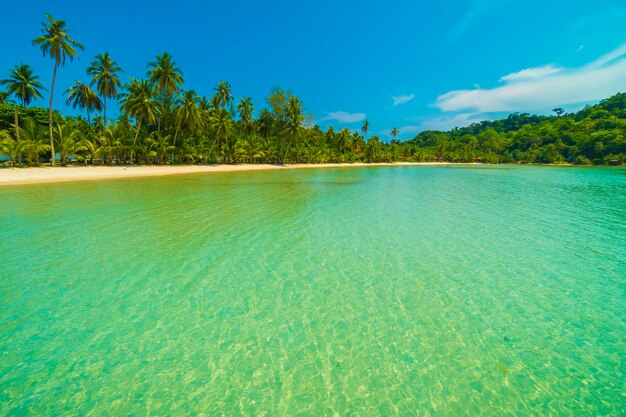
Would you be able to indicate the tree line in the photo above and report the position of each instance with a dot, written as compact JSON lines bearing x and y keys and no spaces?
{"x":160,"y":122}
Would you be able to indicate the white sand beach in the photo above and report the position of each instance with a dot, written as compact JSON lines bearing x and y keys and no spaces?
{"x":40,"y":175}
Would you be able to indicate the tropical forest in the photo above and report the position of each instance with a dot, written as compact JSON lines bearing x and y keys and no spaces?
{"x":158,"y":120}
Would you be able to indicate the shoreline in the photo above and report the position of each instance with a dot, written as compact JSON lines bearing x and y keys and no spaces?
{"x":45,"y":175}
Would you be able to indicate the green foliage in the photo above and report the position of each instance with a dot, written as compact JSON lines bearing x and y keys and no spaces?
{"x":593,"y":135}
{"x":39,"y":114}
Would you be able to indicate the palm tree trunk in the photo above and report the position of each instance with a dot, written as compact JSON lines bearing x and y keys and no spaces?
{"x":210,"y":151}
{"x":287,"y":151}
{"x":88,"y":118}
{"x":132,"y":151}
{"x":54,"y":76}
{"x":105,"y":111}
{"x":175,"y":136}
{"x":17,"y":133}
{"x":17,"y":125}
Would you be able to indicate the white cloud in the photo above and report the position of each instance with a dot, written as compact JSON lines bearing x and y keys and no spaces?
{"x":477,"y":8}
{"x":532,"y":90}
{"x":400,"y":100}
{"x":344,"y":117}
{"x":530,"y":73}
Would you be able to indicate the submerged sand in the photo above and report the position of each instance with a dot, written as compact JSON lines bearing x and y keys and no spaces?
{"x":39,"y":175}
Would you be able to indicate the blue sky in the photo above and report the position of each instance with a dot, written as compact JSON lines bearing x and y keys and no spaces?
{"x":409,"y":64}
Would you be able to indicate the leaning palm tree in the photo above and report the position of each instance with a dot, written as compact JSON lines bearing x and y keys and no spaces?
{"x":140,"y":104}
{"x":56,"y":42}
{"x":365,"y":128}
{"x":82,"y":96}
{"x":25,"y":86}
{"x":105,"y":76}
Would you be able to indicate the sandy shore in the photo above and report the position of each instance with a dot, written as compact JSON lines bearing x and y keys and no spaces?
{"x":15,"y":176}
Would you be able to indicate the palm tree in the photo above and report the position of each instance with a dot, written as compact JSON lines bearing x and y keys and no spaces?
{"x":9,"y":146}
{"x":394,"y":133}
{"x":56,"y":42}
{"x":34,"y":145}
{"x":189,"y":115}
{"x":165,"y":74}
{"x":159,"y":146}
{"x":105,"y":76}
{"x":344,"y":141}
{"x":365,"y":128}
{"x":25,"y":86}
{"x":221,"y":125}
{"x":4,"y":97}
{"x":166,"y":77}
{"x":81,"y":95}
{"x":265,"y":123}
{"x":372,"y":149}
{"x":357,"y":142}
{"x":67,"y":138}
{"x":140,"y":104}
{"x":246,"y":112}
{"x":294,"y":122}
{"x":223,"y":96}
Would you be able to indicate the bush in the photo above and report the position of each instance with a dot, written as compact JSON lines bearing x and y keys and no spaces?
{"x":581,"y":160}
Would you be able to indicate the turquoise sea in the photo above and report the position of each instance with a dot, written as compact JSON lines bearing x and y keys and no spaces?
{"x":381,"y":291}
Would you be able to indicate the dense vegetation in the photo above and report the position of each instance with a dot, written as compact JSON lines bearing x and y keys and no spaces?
{"x":594,"y":135}
{"x":160,"y":122}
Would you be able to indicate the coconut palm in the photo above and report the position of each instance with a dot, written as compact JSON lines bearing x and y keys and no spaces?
{"x":246,"y":112}
{"x":9,"y":146}
{"x":165,"y":74}
{"x":294,"y":122}
{"x":222,"y":128}
{"x":223,"y":96}
{"x":140,"y":104}
{"x":250,"y":148}
{"x":25,"y":86}
{"x":105,"y":76}
{"x":394,"y":133}
{"x":67,"y":138}
{"x":344,"y":141}
{"x":56,"y":42}
{"x":372,"y":149}
{"x":357,"y":142}
{"x":34,"y":145}
{"x":189,"y":115}
{"x":265,"y":123}
{"x":365,"y":128}
{"x":159,"y":146}
{"x":82,"y":96}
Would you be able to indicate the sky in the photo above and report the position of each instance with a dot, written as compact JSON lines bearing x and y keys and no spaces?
{"x":411,"y":64}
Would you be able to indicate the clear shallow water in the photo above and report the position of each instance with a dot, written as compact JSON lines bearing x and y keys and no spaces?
{"x":494,"y":291}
